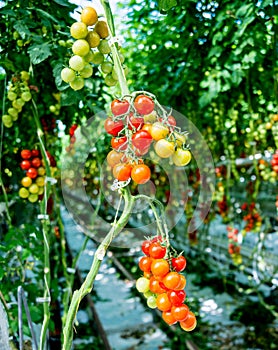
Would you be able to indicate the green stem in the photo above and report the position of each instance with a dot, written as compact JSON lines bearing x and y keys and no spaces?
{"x":87,"y":285}
{"x":116,"y":59}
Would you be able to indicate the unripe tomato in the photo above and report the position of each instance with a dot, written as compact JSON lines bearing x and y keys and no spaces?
{"x":140,"y":174}
{"x":164,"y":148}
{"x":159,"y":131}
{"x":102,"y":29}
{"x":40,"y":181}
{"x":93,"y":38}
{"x":119,"y":107}
{"x":23,"y":192}
{"x":141,"y":139}
{"x":113,"y":127}
{"x":114,"y":158}
{"x":26,"y":181}
{"x":26,"y":154}
{"x":122,"y":171}
{"x":142,"y":284}
{"x":143,"y":104}
{"x":181,"y":157}
{"x":78,"y":30}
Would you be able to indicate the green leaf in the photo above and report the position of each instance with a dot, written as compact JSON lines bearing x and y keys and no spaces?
{"x":39,"y":52}
{"x":22,"y":29}
{"x":62,"y":3}
{"x":166,"y":5}
{"x":69,"y":97}
{"x":45,"y":14}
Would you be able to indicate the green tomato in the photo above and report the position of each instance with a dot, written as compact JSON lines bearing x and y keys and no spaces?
{"x":77,"y":84}
{"x":23,"y":193}
{"x":33,"y":198}
{"x":78,"y":30}
{"x":12,"y":96}
{"x":67,"y":75}
{"x":87,"y":71}
{"x":7,"y":119}
{"x":80,"y":47}
{"x":151,"y":302}
{"x":109,"y":81}
{"x":142,"y":284}
{"x":26,"y":96}
{"x":77,"y":63}
{"x":104,"y":47}
{"x":98,"y":58}
{"x":106,"y":67}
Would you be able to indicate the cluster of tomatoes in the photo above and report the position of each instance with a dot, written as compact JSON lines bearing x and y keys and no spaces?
{"x":90,"y":46}
{"x":18,"y":94}
{"x":163,"y":284}
{"x":135,"y":125}
{"x":234,"y":246}
{"x":34,"y":180}
{"x":251,"y":216}
{"x":72,"y":130}
{"x":274,"y":162}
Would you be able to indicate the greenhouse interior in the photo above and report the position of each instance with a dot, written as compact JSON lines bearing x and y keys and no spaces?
{"x":139,"y":168}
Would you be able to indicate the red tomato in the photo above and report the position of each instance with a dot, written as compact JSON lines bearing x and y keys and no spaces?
{"x":146,"y":247}
{"x":143,"y":104}
{"x":26,"y":154}
{"x":168,"y":318}
{"x":145,"y":264}
{"x":36,"y":162}
{"x":156,"y":286}
{"x":172,"y":280}
{"x":25,"y":164}
{"x":32,"y":173}
{"x":141,"y":139}
{"x":171,"y":120}
{"x":35,"y":153}
{"x":163,"y":303}
{"x":113,"y":127}
{"x":114,"y":158}
{"x":157,"y":251}
{"x":122,"y":171}
{"x":160,"y":267}
{"x":119,"y":107}
{"x":176,"y":297}
{"x":179,"y":263}
{"x":180,"y":312}
{"x":135,"y":122}
{"x":119,"y":143}
{"x":140,"y":174}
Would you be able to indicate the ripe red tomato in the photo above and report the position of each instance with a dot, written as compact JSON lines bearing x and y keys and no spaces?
{"x":25,"y":164}
{"x":143,"y":104}
{"x":113,"y":127}
{"x":176,"y":297}
{"x":157,"y":251}
{"x":160,"y":267}
{"x":35,"y":153}
{"x":114,"y":158}
{"x":180,"y":312}
{"x":135,"y":122}
{"x":32,"y":173}
{"x":172,"y":280}
{"x":122,"y":171}
{"x":26,"y":154}
{"x":163,"y":303}
{"x":145,"y":264}
{"x":168,"y":318}
{"x":119,"y":143}
{"x":119,"y":107}
{"x":36,"y":162}
{"x":171,"y":120}
{"x":141,"y":139}
{"x":146,"y":247}
{"x":141,"y":174}
{"x":179,"y":263}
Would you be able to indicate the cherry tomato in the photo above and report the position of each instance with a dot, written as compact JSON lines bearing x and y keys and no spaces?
{"x":140,"y":174}
{"x":176,"y":297}
{"x":156,"y":287}
{"x":35,"y":153}
{"x":181,"y":157}
{"x":119,"y":143}
{"x":145,"y":264}
{"x":25,"y":164}
{"x":113,"y":127}
{"x":172,"y":280}
{"x":160,"y":267}
{"x":189,"y":323}
{"x":147,"y":127}
{"x":157,"y":251}
{"x":146,"y":247}
{"x":179,"y":263}
{"x":182,"y":283}
{"x":26,"y":181}
{"x":119,"y":107}
{"x":159,"y":131}
{"x":143,"y":104}
{"x":164,"y":148}
{"x":32,"y":173}
{"x":36,"y":162}
{"x":135,"y":122}
{"x":170,"y":120}
{"x":26,"y":154}
{"x":141,"y":152}
{"x":122,"y":171}
{"x":141,"y":139}
{"x":168,"y":318}
{"x":180,"y":312}
{"x":114,"y":158}
{"x":163,"y":303}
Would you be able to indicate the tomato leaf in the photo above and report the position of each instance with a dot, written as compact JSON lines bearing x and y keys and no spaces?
{"x":39,"y":53}
{"x":166,"y":5}
{"x":22,"y":29}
